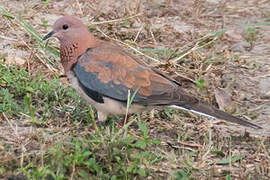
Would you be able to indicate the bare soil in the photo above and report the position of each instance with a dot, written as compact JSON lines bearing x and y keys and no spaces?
{"x":240,"y":67}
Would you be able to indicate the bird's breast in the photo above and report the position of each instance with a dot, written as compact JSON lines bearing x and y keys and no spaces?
{"x":68,"y":55}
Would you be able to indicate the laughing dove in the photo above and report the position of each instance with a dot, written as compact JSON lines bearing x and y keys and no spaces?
{"x":103,"y":74}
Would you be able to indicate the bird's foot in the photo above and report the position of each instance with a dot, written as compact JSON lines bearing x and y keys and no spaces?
{"x":124,"y":120}
{"x":91,"y":127}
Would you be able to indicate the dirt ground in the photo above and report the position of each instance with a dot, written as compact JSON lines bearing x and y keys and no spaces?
{"x":235,"y":68}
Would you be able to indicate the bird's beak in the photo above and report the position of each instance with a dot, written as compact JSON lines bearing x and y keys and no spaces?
{"x":50,"y":34}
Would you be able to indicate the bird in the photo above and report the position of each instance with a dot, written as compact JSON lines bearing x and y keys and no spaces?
{"x":104,"y":74}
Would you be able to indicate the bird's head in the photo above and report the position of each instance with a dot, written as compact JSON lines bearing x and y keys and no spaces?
{"x":74,"y":38}
{"x":67,"y":28}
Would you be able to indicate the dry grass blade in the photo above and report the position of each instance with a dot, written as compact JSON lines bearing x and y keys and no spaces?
{"x":200,"y":43}
{"x":117,"y":20}
{"x":127,"y":45}
{"x":32,"y":31}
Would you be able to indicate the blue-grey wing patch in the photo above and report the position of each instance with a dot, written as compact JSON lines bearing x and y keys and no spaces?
{"x":93,"y":73}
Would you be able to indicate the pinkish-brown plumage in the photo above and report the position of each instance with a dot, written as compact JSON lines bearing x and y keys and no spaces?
{"x":103,"y":74}
{"x":74,"y":40}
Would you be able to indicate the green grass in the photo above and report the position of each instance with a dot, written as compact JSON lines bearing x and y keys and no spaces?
{"x":109,"y":155}
{"x":61,"y":147}
{"x":83,"y":158}
{"x":37,"y":97}
{"x":113,"y":154}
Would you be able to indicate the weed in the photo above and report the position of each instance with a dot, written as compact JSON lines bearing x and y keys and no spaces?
{"x":251,"y":35}
{"x":42,"y":99}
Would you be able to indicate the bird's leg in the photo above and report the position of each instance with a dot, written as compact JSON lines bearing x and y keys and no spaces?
{"x":91,"y":127}
{"x":100,"y":117}
{"x":124,"y":120}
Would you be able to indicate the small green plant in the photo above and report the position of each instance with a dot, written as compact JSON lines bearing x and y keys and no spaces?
{"x":230,"y":160}
{"x":44,"y":22}
{"x":251,"y":35}
{"x":182,"y":175}
{"x":45,"y":2}
{"x":219,"y":153}
{"x":127,"y":22}
{"x":142,"y":143}
{"x":228,"y":177}
{"x":200,"y":83}
{"x":28,"y":106}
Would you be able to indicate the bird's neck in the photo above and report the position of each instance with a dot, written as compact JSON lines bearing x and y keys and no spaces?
{"x":70,"y":51}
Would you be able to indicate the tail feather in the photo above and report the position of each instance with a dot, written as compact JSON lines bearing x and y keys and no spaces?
{"x":212,"y":112}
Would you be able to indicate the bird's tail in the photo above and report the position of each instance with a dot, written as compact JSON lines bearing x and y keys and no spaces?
{"x":212,"y":112}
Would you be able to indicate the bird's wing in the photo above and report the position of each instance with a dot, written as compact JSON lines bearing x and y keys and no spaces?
{"x":104,"y":72}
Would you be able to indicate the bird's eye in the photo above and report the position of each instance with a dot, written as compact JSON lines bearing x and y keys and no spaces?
{"x":65,"y":26}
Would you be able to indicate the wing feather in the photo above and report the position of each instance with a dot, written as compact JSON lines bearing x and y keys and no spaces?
{"x":113,"y":74}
